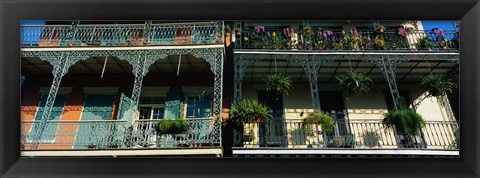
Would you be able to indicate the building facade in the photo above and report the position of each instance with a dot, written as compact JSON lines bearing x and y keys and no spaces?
{"x":313,"y":54}
{"x":111,"y":82}
{"x":98,"y":88}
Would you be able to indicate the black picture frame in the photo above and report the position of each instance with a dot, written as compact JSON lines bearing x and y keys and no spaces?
{"x":12,"y":11}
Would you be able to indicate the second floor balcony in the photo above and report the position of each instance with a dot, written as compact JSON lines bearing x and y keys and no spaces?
{"x":314,"y":38}
{"x":148,"y":34}
{"x":353,"y":134}
{"x":118,"y":134}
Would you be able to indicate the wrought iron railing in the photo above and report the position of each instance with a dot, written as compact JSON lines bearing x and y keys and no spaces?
{"x":358,"y":134}
{"x":122,"y":34}
{"x":251,"y":38}
{"x":117,"y":134}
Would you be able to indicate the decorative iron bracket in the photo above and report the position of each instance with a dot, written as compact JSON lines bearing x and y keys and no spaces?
{"x":387,"y":65}
{"x":311,"y":66}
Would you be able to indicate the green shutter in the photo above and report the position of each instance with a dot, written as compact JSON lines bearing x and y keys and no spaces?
{"x":96,"y":107}
{"x":124,"y":106}
{"x":56,"y":113}
{"x":205,"y":106}
{"x":173,"y":105}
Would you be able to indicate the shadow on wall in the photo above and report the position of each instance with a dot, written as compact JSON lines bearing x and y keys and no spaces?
{"x":298,"y":137}
{"x":370,"y":139}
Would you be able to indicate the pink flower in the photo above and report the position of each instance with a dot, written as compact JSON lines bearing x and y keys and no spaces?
{"x":259,"y":29}
{"x":402,"y":32}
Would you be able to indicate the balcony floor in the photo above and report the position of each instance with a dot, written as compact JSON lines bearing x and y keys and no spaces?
{"x":240,"y":152}
{"x":216,"y":151}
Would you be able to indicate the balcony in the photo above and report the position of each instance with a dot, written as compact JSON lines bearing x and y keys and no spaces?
{"x":118,"y":135}
{"x":310,"y":40}
{"x":350,"y":135}
{"x":197,"y":33}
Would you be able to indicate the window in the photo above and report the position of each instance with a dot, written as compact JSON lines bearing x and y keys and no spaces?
{"x":199,"y":106}
{"x":152,"y":108}
{"x":192,"y":108}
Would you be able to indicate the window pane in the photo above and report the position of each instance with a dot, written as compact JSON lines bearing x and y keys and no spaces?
{"x":190,"y":111}
{"x":158,"y":113}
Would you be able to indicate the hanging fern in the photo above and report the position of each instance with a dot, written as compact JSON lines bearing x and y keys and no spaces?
{"x":355,"y":82}
{"x":437,"y":84}
{"x":278,"y":83}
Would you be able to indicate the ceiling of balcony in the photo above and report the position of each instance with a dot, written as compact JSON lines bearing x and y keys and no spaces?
{"x":409,"y":72}
{"x":188,"y":64}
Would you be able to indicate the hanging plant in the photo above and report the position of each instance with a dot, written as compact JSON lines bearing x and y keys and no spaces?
{"x":437,"y":84}
{"x":172,"y":126}
{"x":249,"y":111}
{"x":278,"y":83}
{"x":355,"y":82}
{"x":325,"y":120}
{"x":406,"y":121}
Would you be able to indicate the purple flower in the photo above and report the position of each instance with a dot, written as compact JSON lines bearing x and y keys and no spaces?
{"x":329,"y":33}
{"x":353,"y":31}
{"x":287,"y":32}
{"x":325,"y":35}
{"x":319,"y":33}
{"x":438,"y":32}
{"x":259,"y":29}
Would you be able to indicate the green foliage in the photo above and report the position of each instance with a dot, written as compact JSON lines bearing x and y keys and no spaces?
{"x":279,"y":83}
{"x":424,"y":43}
{"x":172,"y":126}
{"x":319,"y":118}
{"x":407,"y":121}
{"x":355,"y":82}
{"x":248,"y":111}
{"x":438,"y":84}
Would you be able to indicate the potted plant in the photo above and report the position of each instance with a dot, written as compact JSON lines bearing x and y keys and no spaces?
{"x":238,"y":32}
{"x":437,"y":84}
{"x":171,"y":126}
{"x":325,"y":120}
{"x":424,"y":43}
{"x":407,"y":123}
{"x":353,"y":39}
{"x":278,"y":83}
{"x":379,"y":43}
{"x":355,"y":82}
{"x":248,"y":111}
{"x":380,"y":29}
{"x":166,"y":128}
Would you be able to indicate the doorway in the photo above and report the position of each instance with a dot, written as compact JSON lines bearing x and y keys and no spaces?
{"x":333,"y":104}
{"x":274,"y":135}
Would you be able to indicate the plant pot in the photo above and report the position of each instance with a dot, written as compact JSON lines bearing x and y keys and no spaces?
{"x":260,"y":120}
